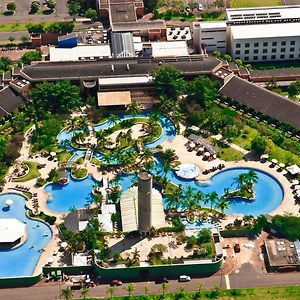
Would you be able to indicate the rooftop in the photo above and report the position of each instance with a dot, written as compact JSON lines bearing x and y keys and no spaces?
{"x":263,"y":13}
{"x":74,"y":218}
{"x":67,"y":36}
{"x":11,"y":230}
{"x":257,"y":31}
{"x":262,"y":100}
{"x":122,"y":13}
{"x":282,"y":252}
{"x":213,"y":25}
{"x":79,"y":52}
{"x":122,"y":44}
{"x":114,"y":98}
{"x":139,"y":26}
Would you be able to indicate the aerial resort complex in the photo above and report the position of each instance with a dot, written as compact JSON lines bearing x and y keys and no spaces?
{"x":142,"y":150}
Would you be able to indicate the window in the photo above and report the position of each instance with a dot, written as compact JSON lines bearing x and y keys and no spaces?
{"x":293,"y":43}
{"x":255,"y":51}
{"x":282,"y":50}
{"x":264,"y":57}
{"x":273,"y":57}
{"x":274,"y":43}
{"x":292,"y":49}
{"x":274,"y":50}
{"x":256,"y":45}
{"x":283,"y":43}
{"x":238,"y":45}
{"x":291,"y":56}
{"x":282,"y":56}
{"x":265,"y":50}
{"x":265,"y":44}
{"x":246,"y":58}
{"x":255,"y":57}
{"x":247,"y":45}
{"x":237,"y":52}
{"x":246,"y":51}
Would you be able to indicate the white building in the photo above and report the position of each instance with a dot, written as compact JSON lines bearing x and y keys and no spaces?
{"x":253,"y":34}
{"x":210,"y":36}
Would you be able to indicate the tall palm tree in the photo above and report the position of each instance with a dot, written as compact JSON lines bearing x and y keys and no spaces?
{"x":134,"y":107}
{"x":135,"y":255}
{"x":252,"y":176}
{"x":223,"y":204}
{"x":67,"y":293}
{"x":198,"y":197}
{"x":85,"y":291}
{"x":113,"y":119}
{"x":146,"y":156}
{"x":101,"y":137}
{"x":212,"y":198}
{"x":240,"y":180}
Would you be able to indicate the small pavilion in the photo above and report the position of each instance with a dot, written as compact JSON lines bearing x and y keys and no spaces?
{"x":11,"y":232}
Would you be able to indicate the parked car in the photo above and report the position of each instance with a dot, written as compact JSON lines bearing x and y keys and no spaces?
{"x":184,"y":278}
{"x":237,"y":248}
{"x":116,"y":282}
{"x":161,"y":280}
{"x":200,"y":6}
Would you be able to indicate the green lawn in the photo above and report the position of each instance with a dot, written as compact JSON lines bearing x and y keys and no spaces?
{"x":254,"y":3}
{"x":230,"y":154}
{"x":33,"y":172}
{"x":213,"y":16}
{"x":246,"y":136}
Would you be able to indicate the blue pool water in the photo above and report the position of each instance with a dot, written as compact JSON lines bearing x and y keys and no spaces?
{"x":168,"y":133}
{"x":75,"y":194}
{"x":22,"y":260}
{"x":268,"y":191}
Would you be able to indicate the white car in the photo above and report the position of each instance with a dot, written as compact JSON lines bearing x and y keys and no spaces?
{"x":200,"y":6}
{"x":184,"y":278}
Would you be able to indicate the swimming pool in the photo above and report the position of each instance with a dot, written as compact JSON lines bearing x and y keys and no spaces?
{"x":75,"y":194}
{"x":268,"y":191}
{"x":168,"y":133}
{"x":22,"y":260}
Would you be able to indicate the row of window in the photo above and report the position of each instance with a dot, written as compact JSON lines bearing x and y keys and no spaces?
{"x":265,"y":57}
{"x":265,"y":44}
{"x":273,"y":50}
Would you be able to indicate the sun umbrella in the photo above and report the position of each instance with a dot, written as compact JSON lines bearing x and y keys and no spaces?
{"x":297,"y":187}
{"x":50,"y":260}
{"x":274,"y":161}
{"x":298,"y":193}
{"x":295,"y":182}
{"x":201,"y":149}
{"x":207,"y":154}
{"x":52,"y":153}
{"x":192,"y":145}
{"x":282,"y":165}
{"x":64,"y":245}
{"x":9,"y":202}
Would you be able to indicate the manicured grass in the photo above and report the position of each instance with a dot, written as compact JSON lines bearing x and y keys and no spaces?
{"x":213,"y":16}
{"x":33,"y":172}
{"x":254,"y":3}
{"x":286,"y":293}
{"x":245,"y":138}
{"x":79,"y":173}
{"x":230,"y":154}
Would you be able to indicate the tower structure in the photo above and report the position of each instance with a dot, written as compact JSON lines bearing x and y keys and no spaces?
{"x":144,"y":201}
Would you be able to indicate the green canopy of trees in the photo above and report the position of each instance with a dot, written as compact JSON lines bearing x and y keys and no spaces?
{"x":259,"y":145}
{"x":5,"y":64}
{"x":91,"y":14}
{"x":169,"y":82}
{"x":11,"y":6}
{"x":31,"y":56}
{"x":294,"y":88}
{"x":55,"y":97}
{"x":288,"y":225}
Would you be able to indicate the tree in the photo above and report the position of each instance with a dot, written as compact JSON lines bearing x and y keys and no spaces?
{"x":130,"y":288}
{"x":164,"y":287}
{"x":74,"y":8}
{"x":204,"y":236}
{"x":34,"y":7}
{"x":135,"y":255}
{"x":252,"y":176}
{"x":51,"y":4}
{"x":146,"y":289}
{"x":228,"y":57}
{"x":55,"y":97}
{"x":5,"y":64}
{"x":24,"y":39}
{"x":36,"y":28}
{"x":223,"y":204}
{"x":258,"y":145}
{"x":31,"y":56}
{"x":111,"y":291}
{"x":11,"y":38}
{"x":134,"y":107}
{"x":67,"y":293}
{"x":85,"y":291}
{"x":11,"y":6}
{"x":238,"y":62}
{"x":169,"y":82}
{"x":212,"y":198}
{"x":216,"y":54}
{"x":272,"y":84}
{"x":91,"y":14}
{"x":113,"y":119}
{"x":202,"y":90}
{"x":294,"y":88}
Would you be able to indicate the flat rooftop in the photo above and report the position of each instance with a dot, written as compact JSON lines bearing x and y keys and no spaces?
{"x":122,"y":13}
{"x":257,"y":31}
{"x":281,"y":252}
{"x":213,"y":25}
{"x":263,"y":13}
{"x":139,"y":26}
{"x":113,"y":98}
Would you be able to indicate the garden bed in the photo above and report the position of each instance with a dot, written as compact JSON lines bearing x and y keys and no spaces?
{"x":33,"y":172}
{"x":79,"y":173}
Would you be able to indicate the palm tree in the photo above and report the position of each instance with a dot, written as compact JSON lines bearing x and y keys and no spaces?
{"x":146,"y":156}
{"x":211,"y":198}
{"x":252,"y":176}
{"x":113,"y":119}
{"x":223,"y":204}
{"x":164,"y":287}
{"x":130,"y":288}
{"x":240,"y":180}
{"x":135,"y":255}
{"x":146,"y":289}
{"x":111,"y":291}
{"x":85,"y":291}
{"x":134,"y":107}
{"x":198,"y":197}
{"x":101,"y":136}
{"x":67,"y":293}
